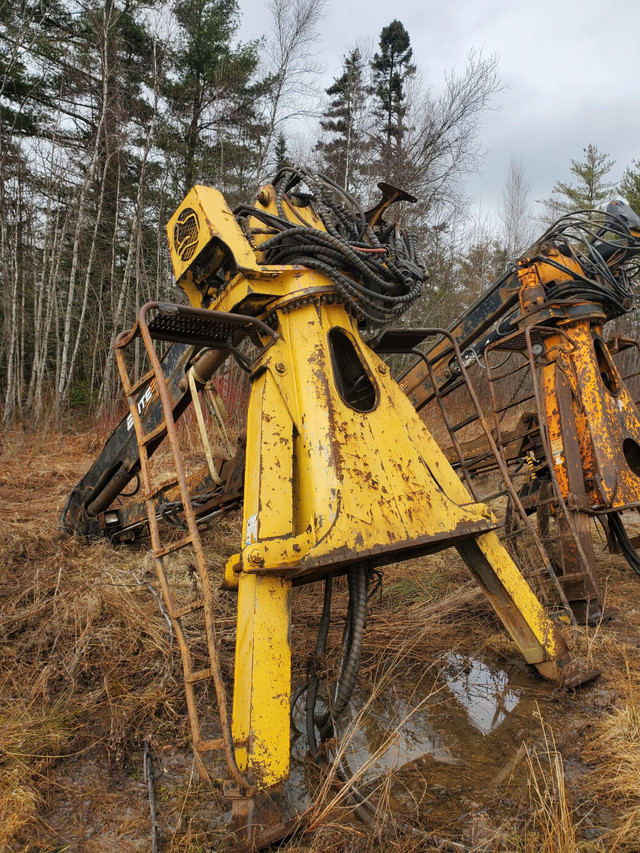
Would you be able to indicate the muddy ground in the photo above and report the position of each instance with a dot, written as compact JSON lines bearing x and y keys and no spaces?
{"x":473,"y":750}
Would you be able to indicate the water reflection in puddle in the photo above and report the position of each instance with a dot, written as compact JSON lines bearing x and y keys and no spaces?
{"x":463,"y":723}
{"x":485,"y":692}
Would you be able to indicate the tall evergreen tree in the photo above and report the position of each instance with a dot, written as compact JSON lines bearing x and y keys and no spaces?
{"x":629,"y":186}
{"x":342,"y":153}
{"x":212,"y":98}
{"x":17,"y":109}
{"x":589,"y":191}
{"x":391,"y":69}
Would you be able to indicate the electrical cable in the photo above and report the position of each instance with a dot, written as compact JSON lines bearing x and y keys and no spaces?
{"x":135,"y":489}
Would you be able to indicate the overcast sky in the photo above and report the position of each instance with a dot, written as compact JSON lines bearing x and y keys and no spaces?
{"x":570,"y":67}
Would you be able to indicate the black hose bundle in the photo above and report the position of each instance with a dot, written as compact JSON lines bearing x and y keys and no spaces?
{"x":606,"y":255}
{"x":358,"y":582}
{"x":619,"y":533}
{"x":376,"y":270}
{"x":314,"y":681}
{"x":352,"y":641}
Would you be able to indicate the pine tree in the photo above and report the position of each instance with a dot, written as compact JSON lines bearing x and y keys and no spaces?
{"x":281,"y":156}
{"x":629,"y":186}
{"x":589,"y":192}
{"x":212,"y":99}
{"x":391,"y":69}
{"x":17,"y":110}
{"x":342,"y":154}
{"x":34,"y":40}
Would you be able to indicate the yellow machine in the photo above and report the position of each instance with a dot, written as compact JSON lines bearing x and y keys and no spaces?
{"x":340,"y":471}
{"x":341,"y":475}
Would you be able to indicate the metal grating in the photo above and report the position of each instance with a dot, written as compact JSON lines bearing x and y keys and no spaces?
{"x":518,"y":342}
{"x":186,"y":329}
{"x":185,"y":234}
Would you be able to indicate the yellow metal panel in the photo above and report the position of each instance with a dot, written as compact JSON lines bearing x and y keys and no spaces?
{"x":555,"y":425}
{"x":363,"y":482}
{"x":204,"y":215}
{"x":268,"y":486}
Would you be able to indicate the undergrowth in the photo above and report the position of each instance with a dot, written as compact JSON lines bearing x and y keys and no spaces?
{"x":90,"y":671}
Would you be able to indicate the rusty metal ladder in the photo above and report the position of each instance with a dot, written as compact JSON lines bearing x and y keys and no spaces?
{"x":215,"y":330}
{"x":521,"y":345}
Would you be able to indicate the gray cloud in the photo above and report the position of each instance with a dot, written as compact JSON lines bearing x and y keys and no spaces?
{"x":569,"y":66}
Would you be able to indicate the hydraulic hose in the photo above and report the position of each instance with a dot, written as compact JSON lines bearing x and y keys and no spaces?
{"x":351,"y":653}
{"x":313,"y":682}
{"x":357,"y":580}
{"x":377,"y":270}
{"x":622,"y":537}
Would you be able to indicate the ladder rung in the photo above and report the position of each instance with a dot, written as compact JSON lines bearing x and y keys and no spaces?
{"x":132,"y":389}
{"x":573,"y":577}
{"x":514,"y":404}
{"x":174,"y":546}
{"x":464,"y":423}
{"x":209,"y":745}
{"x":151,"y":436}
{"x":491,"y":497}
{"x":166,"y":484}
{"x":198,"y":675}
{"x":188,"y":608}
{"x":474,"y":460}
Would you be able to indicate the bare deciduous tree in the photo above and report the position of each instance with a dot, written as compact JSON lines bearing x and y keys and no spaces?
{"x":293,"y":68}
{"x":443,"y":144}
{"x":516,"y":209}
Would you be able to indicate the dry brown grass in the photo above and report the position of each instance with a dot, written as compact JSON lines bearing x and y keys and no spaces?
{"x":551,"y":826}
{"x":88,"y":671}
{"x":613,"y":749}
{"x":85,"y":652}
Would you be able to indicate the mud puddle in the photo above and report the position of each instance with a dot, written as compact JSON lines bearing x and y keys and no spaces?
{"x":443,"y":742}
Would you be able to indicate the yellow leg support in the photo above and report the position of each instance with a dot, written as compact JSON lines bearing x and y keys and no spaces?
{"x":519,"y":610}
{"x":262,"y":688}
{"x":263,"y":678}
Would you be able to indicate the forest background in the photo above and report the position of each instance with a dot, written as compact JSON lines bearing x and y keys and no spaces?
{"x":110,"y":111}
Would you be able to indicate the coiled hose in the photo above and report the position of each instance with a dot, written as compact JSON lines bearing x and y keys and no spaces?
{"x":608,"y":264}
